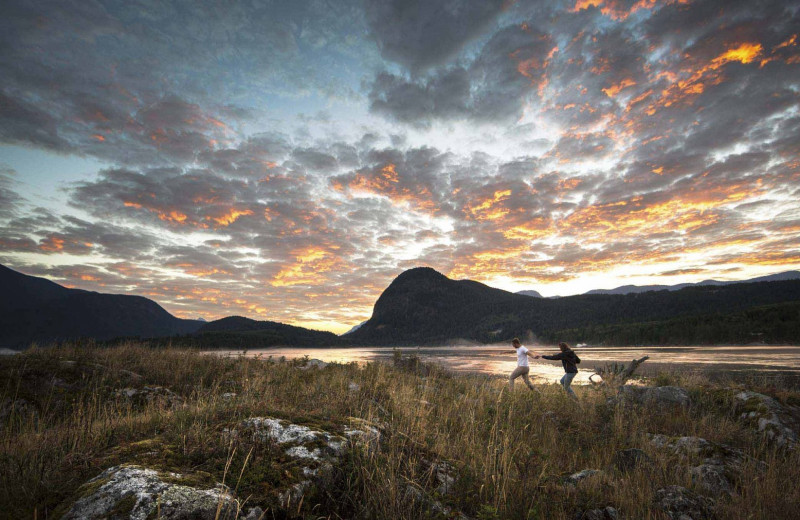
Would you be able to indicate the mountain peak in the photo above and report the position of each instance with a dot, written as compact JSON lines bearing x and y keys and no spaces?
{"x":420,"y":273}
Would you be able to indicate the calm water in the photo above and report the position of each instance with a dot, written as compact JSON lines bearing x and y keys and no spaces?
{"x":496,"y":360}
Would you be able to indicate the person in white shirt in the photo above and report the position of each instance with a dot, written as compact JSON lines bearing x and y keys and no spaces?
{"x":522,"y":365}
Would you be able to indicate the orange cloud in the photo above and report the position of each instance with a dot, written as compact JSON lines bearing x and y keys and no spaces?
{"x":231,"y":217}
{"x":487,"y":209}
{"x":308,"y":267}
{"x":613,"y":90}
{"x":386,"y":182}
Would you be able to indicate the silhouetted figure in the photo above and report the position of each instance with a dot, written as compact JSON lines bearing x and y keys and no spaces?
{"x":569,"y":359}
{"x":522,"y":365}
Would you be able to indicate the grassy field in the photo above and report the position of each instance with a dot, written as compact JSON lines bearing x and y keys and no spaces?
{"x":510,"y":449}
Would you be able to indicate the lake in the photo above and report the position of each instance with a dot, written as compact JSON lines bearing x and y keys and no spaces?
{"x":733,"y":361}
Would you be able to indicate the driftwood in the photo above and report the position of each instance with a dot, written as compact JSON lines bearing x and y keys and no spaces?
{"x":616,"y":373}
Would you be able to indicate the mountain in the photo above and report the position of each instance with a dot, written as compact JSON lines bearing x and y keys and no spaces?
{"x":355,"y":328}
{"x":239,"y":332}
{"x":530,"y":292}
{"x":422,"y":306}
{"x":628,"y":289}
{"x":37,"y":310}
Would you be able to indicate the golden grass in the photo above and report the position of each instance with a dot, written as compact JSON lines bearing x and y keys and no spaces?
{"x":510,"y":448}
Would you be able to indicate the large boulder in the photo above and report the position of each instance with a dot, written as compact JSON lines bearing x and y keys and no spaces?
{"x":137,"y":493}
{"x":630,"y":459}
{"x":149,"y":395}
{"x":719,"y":464}
{"x":606,"y":513}
{"x":776,"y":422}
{"x":317,"y":452}
{"x":681,"y":504}
{"x":654,"y":396}
{"x":574,"y":478}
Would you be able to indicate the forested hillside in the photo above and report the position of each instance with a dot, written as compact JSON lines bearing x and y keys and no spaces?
{"x":423,"y":306}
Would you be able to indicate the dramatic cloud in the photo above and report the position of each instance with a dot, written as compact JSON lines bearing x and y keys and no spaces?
{"x":287,"y":162}
{"x":418,"y":34}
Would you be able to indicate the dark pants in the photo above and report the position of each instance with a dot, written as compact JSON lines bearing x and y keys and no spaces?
{"x":566,"y":381}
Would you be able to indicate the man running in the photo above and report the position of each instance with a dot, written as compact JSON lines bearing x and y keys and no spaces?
{"x":569,"y":359}
{"x":522,"y":365}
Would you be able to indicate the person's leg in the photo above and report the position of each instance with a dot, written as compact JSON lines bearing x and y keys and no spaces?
{"x":567,"y":381}
{"x":526,"y":378}
{"x":515,"y":374}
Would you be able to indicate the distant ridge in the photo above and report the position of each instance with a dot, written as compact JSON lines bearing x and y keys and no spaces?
{"x":629,"y":289}
{"x":240,"y":332}
{"x":37,"y":310}
{"x":422,"y":306}
{"x":530,"y":292}
{"x":354,"y":328}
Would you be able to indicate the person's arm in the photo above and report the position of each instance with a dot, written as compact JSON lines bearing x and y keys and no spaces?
{"x":532,"y":355}
{"x":555,"y":357}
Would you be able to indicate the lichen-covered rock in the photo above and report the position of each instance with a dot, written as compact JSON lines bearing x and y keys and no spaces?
{"x":136,"y":493}
{"x":630,"y":459}
{"x":607,"y":513}
{"x":150,"y":394}
{"x":654,"y":396}
{"x":443,"y":475}
{"x":317,"y":452}
{"x":430,"y":505}
{"x":574,"y":478}
{"x":720,"y":463}
{"x":680,"y":503}
{"x":313,"y":363}
{"x":777,"y":423}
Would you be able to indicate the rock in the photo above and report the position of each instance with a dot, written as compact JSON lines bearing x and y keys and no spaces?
{"x":137,"y":493}
{"x":712,"y":476}
{"x":607,"y":513}
{"x":659,"y":396}
{"x":697,"y":446}
{"x":579,"y":476}
{"x":313,"y":363}
{"x":227,"y":396}
{"x":353,"y":387}
{"x":318,"y":453}
{"x":777,"y":423}
{"x":255,"y":514}
{"x":681,"y":504}
{"x":720,"y":463}
{"x":443,"y":475}
{"x":150,"y":394}
{"x":432,"y":506}
{"x":630,"y":459}
{"x":364,"y":433}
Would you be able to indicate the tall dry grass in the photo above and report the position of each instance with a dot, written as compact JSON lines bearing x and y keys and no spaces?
{"x":510,"y":449}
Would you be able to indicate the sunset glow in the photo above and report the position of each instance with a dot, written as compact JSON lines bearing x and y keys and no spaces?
{"x":287,"y":163}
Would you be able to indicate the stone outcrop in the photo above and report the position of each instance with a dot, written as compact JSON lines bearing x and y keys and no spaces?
{"x":681,"y":504}
{"x":607,"y":513}
{"x":138,"y":493}
{"x":316,"y":451}
{"x":630,"y":459}
{"x":150,"y":394}
{"x":777,"y":423}
{"x":719,"y":466}
{"x":579,"y":476}
{"x":653,"y":396}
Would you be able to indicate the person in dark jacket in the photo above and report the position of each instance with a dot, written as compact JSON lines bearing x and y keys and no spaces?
{"x":569,"y":359}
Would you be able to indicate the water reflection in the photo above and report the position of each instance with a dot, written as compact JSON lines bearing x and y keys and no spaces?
{"x":501,"y":360}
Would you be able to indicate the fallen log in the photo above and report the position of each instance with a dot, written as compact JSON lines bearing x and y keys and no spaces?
{"x":616,"y":374}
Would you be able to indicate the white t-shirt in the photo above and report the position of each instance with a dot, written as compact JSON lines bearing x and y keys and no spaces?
{"x":522,"y":358}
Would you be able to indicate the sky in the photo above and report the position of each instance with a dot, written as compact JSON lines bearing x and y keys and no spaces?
{"x":286,"y":160}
